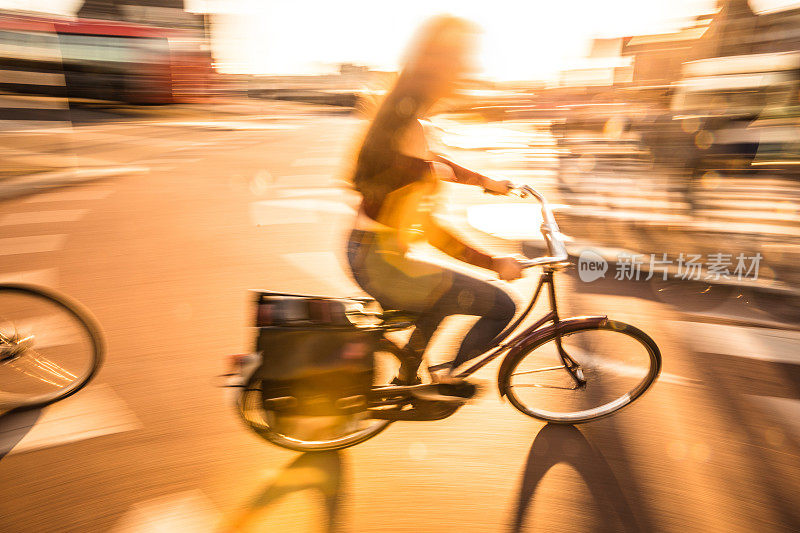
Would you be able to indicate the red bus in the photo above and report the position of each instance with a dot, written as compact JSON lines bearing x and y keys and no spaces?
{"x":103,"y":59}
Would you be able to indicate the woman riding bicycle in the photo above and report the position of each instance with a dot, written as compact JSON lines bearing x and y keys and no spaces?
{"x":398,"y":178}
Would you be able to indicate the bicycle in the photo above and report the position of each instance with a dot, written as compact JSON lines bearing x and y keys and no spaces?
{"x":50,"y":346}
{"x":585,"y":368}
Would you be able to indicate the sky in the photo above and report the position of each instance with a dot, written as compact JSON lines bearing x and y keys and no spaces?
{"x":521,"y":39}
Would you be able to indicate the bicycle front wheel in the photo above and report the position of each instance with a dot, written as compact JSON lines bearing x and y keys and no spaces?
{"x":583,"y":372}
{"x":50,"y":347}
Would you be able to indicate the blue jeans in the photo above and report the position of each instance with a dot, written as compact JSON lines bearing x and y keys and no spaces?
{"x":432,"y":291}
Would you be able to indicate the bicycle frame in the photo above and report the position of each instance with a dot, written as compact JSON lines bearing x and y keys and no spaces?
{"x":519,"y":341}
{"x":534,"y":331}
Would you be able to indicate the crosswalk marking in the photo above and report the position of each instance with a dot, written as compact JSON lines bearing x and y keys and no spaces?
{"x":93,"y":412}
{"x":21,"y":102}
{"x":170,"y":160}
{"x":187,"y":512}
{"x":231,"y":125}
{"x":784,"y":410}
{"x":270,"y":212}
{"x":41,"y":217}
{"x":31,"y":77}
{"x":72,"y":195}
{"x":316,"y":162}
{"x":295,"y":211}
{"x":19,"y":126}
{"x":326,"y":270}
{"x":45,"y":277}
{"x":320,"y":191}
{"x":32,"y":244}
{"x":310,"y":178}
{"x":763,"y":344}
{"x":41,"y":128}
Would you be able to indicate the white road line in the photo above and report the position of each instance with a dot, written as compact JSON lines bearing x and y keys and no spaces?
{"x":295,"y":211}
{"x":326,"y":270}
{"x":46,"y":277}
{"x":763,"y":344}
{"x":64,"y":129}
{"x":785,"y":411}
{"x":72,"y":195}
{"x":317,"y":162}
{"x":223,"y":125}
{"x":170,"y":160}
{"x":10,"y":126}
{"x":312,"y":191}
{"x":303,"y":177}
{"x":106,"y":138}
{"x":299,"y":181}
{"x":221,"y":145}
{"x":31,"y":77}
{"x":93,"y":412}
{"x":184,"y":512}
{"x":31,"y":245}
{"x":21,"y":102}
{"x":41,"y":217}
{"x":270,"y":213}
{"x":328,"y":149}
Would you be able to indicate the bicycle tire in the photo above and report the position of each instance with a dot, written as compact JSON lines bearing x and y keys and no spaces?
{"x":595,"y":372}
{"x":81,"y":317}
{"x":249,"y":404}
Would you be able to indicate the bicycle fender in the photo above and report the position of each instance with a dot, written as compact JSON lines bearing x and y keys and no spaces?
{"x":534,"y":336}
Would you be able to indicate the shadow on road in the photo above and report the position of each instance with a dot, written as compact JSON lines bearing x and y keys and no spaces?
{"x":14,"y":426}
{"x":319,"y":471}
{"x":566,"y":444}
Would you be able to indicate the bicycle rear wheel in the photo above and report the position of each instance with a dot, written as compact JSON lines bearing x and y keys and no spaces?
{"x":313,"y":433}
{"x":50,"y":347}
{"x":612,"y":363}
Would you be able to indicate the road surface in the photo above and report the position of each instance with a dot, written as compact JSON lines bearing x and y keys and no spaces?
{"x":164,"y":258}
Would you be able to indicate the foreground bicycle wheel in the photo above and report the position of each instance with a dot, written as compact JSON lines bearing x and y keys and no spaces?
{"x":50,"y":347}
{"x":617,"y":363}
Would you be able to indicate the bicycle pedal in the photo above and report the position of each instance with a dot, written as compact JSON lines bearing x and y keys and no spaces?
{"x":446,"y":393}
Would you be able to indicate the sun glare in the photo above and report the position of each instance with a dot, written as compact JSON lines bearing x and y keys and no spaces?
{"x":520,"y":39}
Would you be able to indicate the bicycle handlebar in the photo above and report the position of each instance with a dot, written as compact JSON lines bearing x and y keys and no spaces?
{"x":552,"y":235}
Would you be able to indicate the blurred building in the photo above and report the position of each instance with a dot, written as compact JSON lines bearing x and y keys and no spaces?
{"x":604,"y":66}
{"x":721,"y":94}
{"x":131,"y":51}
{"x":656,"y":61}
{"x":165,"y":13}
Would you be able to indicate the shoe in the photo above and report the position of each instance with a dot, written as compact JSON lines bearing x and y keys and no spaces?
{"x":447,"y":392}
{"x":443,"y":373}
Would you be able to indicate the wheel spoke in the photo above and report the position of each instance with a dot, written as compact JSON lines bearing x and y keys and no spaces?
{"x":542,"y":386}
{"x":562,"y":367}
{"x":47,"y":364}
{"x":33,"y":373}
